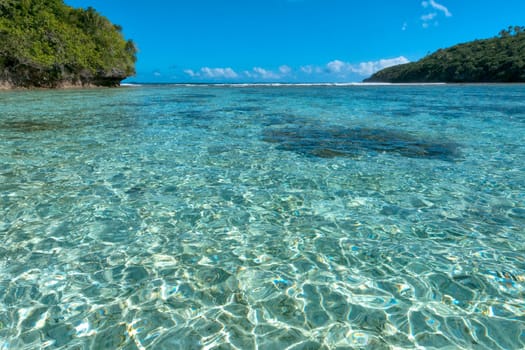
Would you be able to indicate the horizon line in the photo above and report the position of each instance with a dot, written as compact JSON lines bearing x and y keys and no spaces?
{"x":273,"y":84}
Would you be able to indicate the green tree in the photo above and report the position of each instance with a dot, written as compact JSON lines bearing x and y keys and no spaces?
{"x":47,"y":43}
{"x":499,"y":59}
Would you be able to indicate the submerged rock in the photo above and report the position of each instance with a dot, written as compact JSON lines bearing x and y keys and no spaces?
{"x":350,"y":142}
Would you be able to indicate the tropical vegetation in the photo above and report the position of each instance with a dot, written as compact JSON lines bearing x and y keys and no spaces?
{"x":45,"y":43}
{"x":497,"y":60}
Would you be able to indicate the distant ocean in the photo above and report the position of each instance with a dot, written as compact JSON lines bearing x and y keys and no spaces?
{"x":263,"y":217}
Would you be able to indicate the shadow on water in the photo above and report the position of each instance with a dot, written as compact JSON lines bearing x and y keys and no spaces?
{"x":31,"y":126}
{"x":241,"y":109}
{"x":163,"y":100}
{"x":332,"y":142}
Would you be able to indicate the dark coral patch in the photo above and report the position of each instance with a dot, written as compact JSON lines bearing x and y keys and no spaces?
{"x":351,"y":142}
{"x":30,"y":126}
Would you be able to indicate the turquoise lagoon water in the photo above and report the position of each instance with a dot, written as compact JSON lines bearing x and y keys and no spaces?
{"x":256,"y":217}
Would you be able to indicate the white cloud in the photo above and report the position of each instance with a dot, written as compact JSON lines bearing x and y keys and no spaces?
{"x":215,"y":73}
{"x":364,"y":68}
{"x":389,"y":62}
{"x":311,"y":69}
{"x":335,"y":70}
{"x":191,"y":73}
{"x":218,"y":72}
{"x":337,"y":66}
{"x":428,"y":17}
{"x":440,"y":7}
{"x":267,"y":74}
{"x":285,"y":70}
{"x":307,"y":69}
{"x":405,"y":26}
{"x":264,"y":73}
{"x":437,"y":6}
{"x":369,"y":68}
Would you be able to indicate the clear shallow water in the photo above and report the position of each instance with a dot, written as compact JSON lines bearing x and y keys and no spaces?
{"x":263,"y":218}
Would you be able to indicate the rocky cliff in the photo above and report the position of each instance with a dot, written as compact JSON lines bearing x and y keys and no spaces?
{"x":45,"y":43}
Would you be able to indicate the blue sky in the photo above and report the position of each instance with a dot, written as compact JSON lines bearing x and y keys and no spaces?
{"x":295,"y":40}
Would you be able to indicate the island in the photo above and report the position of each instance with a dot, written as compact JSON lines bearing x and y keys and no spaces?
{"x":496,"y":60}
{"x":48,"y":44}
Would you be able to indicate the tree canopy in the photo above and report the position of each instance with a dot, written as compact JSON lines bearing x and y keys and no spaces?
{"x":496,"y":60}
{"x":45,"y":43}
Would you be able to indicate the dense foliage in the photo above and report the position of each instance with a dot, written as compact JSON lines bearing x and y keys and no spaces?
{"x":45,"y":43}
{"x":500,"y":59}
